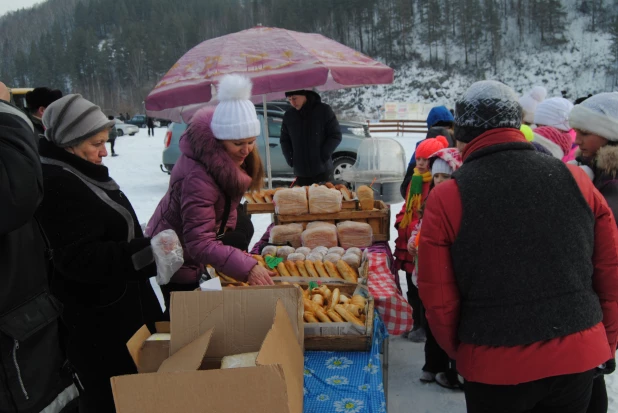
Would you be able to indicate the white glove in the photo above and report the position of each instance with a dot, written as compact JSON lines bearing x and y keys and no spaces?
{"x":167,"y":253}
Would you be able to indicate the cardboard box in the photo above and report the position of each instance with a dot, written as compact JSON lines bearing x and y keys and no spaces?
{"x":243,"y":315}
{"x":274,"y":385}
{"x":148,"y":355}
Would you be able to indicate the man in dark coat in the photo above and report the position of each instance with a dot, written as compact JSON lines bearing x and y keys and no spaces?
{"x":37,"y":101}
{"x":309,"y":136}
{"x":518,"y":266}
{"x":33,"y":374}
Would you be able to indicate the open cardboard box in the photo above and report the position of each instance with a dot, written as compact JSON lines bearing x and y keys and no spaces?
{"x":148,"y":355}
{"x":207,"y":326}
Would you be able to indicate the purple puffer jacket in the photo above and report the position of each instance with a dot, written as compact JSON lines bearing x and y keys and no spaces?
{"x":194,"y":203}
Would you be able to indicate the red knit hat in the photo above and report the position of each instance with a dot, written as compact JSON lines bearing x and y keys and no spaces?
{"x":430,"y":146}
{"x":560,"y":138}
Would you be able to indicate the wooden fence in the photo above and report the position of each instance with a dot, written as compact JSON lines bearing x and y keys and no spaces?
{"x":398,"y":126}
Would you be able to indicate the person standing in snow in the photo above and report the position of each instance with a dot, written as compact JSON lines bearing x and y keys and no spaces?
{"x":219,"y":163}
{"x":113,"y":134}
{"x":438,"y":367}
{"x":595,"y":121}
{"x":406,"y":221}
{"x":102,"y":261}
{"x":150,"y":124}
{"x":526,"y":303}
{"x":310,"y":134}
{"x":32,"y":377}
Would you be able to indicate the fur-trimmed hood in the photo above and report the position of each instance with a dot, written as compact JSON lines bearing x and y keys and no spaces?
{"x":606,"y":161}
{"x":199,"y":143}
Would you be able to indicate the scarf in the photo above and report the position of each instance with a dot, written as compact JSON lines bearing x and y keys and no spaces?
{"x":413,"y":203}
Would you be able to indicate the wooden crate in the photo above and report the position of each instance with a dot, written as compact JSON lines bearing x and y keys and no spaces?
{"x":379,"y":219}
{"x":252,"y":209}
{"x":347,"y":342}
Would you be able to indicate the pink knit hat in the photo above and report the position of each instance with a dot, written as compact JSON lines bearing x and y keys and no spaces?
{"x":562,"y":139}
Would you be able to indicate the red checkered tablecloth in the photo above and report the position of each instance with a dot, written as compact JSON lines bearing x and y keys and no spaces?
{"x":393,"y":308}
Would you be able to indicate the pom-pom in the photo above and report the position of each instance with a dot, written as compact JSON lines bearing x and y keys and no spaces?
{"x":234,"y":87}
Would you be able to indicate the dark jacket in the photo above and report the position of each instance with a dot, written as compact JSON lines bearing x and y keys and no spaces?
{"x":309,"y":137}
{"x":31,"y":358}
{"x":102,"y":268}
{"x":447,"y":299}
{"x":38,"y":125}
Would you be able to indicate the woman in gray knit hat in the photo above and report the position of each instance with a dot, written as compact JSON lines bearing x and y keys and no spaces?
{"x":102,"y":261}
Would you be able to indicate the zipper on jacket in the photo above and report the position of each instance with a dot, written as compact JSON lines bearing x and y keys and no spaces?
{"x":21,"y":381}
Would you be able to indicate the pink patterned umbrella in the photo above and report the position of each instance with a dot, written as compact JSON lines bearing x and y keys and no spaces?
{"x":276,"y":60}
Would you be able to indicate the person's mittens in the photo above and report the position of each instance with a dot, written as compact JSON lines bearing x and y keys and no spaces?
{"x":610,"y":366}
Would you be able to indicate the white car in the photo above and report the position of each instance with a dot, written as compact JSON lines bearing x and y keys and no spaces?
{"x":125,"y":129}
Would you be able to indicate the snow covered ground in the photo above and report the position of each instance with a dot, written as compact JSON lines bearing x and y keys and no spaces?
{"x":137,"y":171}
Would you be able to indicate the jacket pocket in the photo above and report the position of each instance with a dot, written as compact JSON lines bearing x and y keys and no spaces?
{"x":22,"y":322}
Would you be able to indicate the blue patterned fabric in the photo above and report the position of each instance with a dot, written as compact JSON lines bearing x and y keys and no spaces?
{"x":346,"y":382}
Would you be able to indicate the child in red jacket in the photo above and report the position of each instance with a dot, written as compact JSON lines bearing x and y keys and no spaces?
{"x":438,"y":367}
{"x":406,"y":220}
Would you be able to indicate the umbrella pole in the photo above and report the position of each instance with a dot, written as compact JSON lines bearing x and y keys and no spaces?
{"x":267,"y":144}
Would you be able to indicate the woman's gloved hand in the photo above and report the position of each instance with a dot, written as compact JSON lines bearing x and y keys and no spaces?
{"x":260,"y":276}
{"x":167,"y":253}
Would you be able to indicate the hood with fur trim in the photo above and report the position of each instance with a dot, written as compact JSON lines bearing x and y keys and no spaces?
{"x":606,"y":161}
{"x":199,"y":143}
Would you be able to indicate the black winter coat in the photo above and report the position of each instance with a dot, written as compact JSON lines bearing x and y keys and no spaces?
{"x":31,"y":357}
{"x":309,"y":137}
{"x":102,"y":268}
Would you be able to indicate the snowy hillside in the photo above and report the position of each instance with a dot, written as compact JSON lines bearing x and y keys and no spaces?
{"x":578,"y":67}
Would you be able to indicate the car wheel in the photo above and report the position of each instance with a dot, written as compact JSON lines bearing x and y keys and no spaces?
{"x":342,"y":163}
{"x":119,"y":132}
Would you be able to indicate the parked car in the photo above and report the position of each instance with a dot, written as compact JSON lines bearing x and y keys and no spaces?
{"x":344,"y":157}
{"x":137,"y":120}
{"x":125,"y":129}
{"x":18,"y":96}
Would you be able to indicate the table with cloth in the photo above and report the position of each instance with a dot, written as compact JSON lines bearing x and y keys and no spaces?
{"x":350,"y":382}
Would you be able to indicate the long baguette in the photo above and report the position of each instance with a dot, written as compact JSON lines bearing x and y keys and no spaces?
{"x":283,"y":270}
{"x":332,"y":270}
{"x":321,"y":315}
{"x":346,"y":271}
{"x":354,"y":309}
{"x":300,"y":265}
{"x":348,"y":316}
{"x":319,"y":267}
{"x":292,"y":268}
{"x":334,"y":299}
{"x":310,"y":317}
{"x":311,"y":269}
{"x":333,"y":315}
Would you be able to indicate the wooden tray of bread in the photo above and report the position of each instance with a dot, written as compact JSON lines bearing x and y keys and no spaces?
{"x":261,"y":202}
{"x":379,"y":218}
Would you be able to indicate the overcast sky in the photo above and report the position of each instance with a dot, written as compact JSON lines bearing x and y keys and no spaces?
{"x":10,"y":5}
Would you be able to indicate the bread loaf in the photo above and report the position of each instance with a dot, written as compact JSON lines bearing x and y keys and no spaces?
{"x":336,"y":250}
{"x":282,"y":234}
{"x":291,"y":201}
{"x":334,"y":258}
{"x":354,"y":234}
{"x":303,"y":250}
{"x":324,"y":200}
{"x":295,"y":256}
{"x":269,"y":250}
{"x":365,"y":197}
{"x":320,"y":236}
{"x":352,"y":260}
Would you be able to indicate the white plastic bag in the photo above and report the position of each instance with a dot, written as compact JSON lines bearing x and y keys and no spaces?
{"x":167,"y":253}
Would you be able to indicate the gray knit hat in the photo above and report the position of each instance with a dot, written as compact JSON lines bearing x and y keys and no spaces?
{"x":597,"y":114}
{"x":72,"y":119}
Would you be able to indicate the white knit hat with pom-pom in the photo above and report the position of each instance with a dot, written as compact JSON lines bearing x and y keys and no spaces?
{"x":530,"y":100}
{"x":235,"y":116}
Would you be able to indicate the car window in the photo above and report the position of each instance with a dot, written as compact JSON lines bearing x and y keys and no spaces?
{"x":274,"y":127}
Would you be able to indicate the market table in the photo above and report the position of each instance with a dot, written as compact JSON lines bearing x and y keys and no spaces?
{"x":383,"y":285}
{"x":352,"y":382}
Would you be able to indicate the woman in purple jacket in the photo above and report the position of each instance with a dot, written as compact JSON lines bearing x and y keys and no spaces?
{"x":219,"y":163}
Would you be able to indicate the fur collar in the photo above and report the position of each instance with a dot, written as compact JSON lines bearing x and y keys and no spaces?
{"x":607,"y":160}
{"x":199,"y":143}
